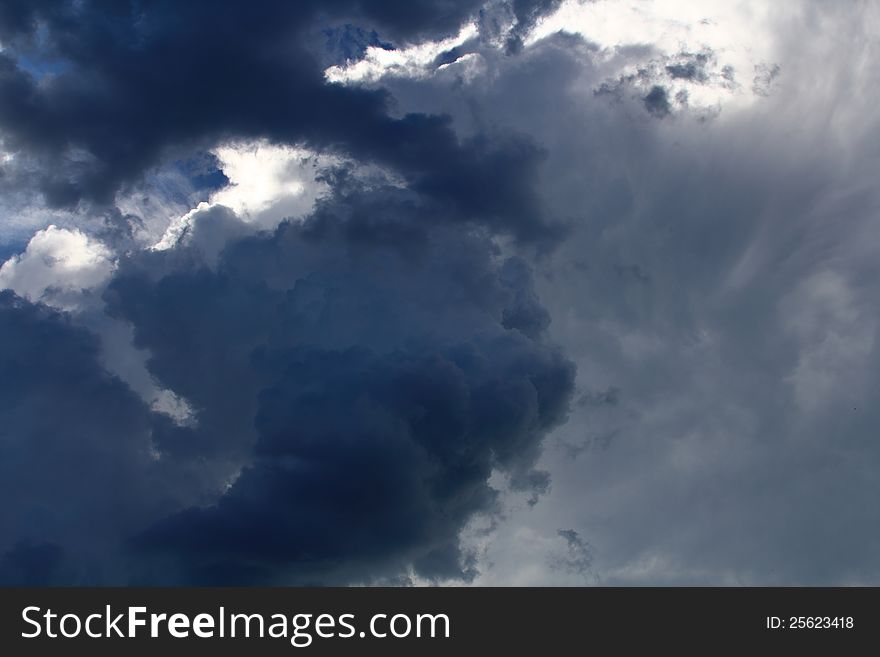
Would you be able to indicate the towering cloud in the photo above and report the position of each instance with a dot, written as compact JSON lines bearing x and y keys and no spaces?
{"x":314,"y":292}
{"x":345,"y":386}
{"x":366,"y":371}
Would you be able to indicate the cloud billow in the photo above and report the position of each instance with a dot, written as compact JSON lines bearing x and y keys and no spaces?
{"x":77,"y":468}
{"x":126,"y":86}
{"x":302,"y":288}
{"x":367,"y":384}
{"x":347,"y":384}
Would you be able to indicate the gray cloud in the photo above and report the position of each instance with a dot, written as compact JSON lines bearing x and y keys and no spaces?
{"x":367,"y":377}
{"x":742,"y":448}
{"x":78,"y":466}
{"x":715,"y":287}
{"x":578,"y":557}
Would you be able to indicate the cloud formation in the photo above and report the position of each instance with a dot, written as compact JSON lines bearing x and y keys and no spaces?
{"x":78,"y":459}
{"x":366,"y":393}
{"x":331,"y":275}
{"x":111,"y":109}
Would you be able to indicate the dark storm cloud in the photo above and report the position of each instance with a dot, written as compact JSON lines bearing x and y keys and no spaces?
{"x":355,"y":380}
{"x":142,"y":82}
{"x":29,"y":564}
{"x":371,"y":375}
{"x":76,"y":465}
{"x":414,"y":19}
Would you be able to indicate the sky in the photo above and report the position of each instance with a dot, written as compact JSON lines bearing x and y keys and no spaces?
{"x":504,"y":292}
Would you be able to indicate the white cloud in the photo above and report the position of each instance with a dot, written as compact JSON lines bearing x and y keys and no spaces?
{"x":636,"y":40}
{"x":267,"y":181}
{"x":412,"y":61}
{"x":267,"y":184}
{"x":58,"y":268}
{"x":738,"y":34}
{"x":67,"y":270}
